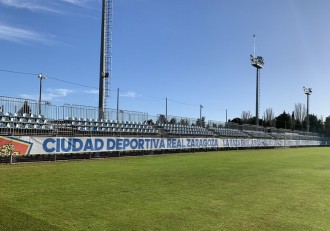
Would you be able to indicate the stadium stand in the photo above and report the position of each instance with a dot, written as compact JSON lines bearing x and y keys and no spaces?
{"x":184,"y":130}
{"x":19,"y":117}
{"x":228,"y":132}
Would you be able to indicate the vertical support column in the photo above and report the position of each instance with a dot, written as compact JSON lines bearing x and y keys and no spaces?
{"x":117,"y":104}
{"x":307,"y":113}
{"x":166,"y":109}
{"x":257,"y":97}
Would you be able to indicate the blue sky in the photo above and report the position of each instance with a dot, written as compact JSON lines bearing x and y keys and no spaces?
{"x":194,"y":52}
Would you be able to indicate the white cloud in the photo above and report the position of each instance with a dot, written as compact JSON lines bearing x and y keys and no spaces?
{"x":16,"y":34}
{"x":56,"y":93}
{"x":76,"y":2}
{"x":92,"y":91}
{"x":50,"y":94}
{"x":130,"y":94}
{"x":54,"y":6}
{"x":25,"y":4}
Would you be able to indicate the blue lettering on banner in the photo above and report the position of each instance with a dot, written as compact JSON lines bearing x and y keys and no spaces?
{"x":134,"y":144}
{"x":111,"y":144}
{"x":63,"y":145}
{"x":162,"y":144}
{"x":141,"y":144}
{"x":88,"y":144}
{"x":51,"y":145}
{"x":77,"y":145}
{"x":99,"y":144}
{"x":46,"y":145}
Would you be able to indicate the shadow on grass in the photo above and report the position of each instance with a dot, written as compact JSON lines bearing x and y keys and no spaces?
{"x":13,"y":220}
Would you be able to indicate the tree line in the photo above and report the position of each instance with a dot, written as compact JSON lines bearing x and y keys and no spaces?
{"x":296,"y":120}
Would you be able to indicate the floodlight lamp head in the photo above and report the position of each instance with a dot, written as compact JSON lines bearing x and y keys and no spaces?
{"x":41,"y":76}
{"x":307,"y":90}
{"x":257,"y":62}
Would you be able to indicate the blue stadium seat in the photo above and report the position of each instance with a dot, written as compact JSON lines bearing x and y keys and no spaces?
{"x":28,"y":126}
{"x":20,"y":126}
{"x":22,"y":120}
{"x":10,"y":125}
{"x":5,"y":119}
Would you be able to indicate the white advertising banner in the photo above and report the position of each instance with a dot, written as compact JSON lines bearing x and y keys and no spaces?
{"x":32,"y":145}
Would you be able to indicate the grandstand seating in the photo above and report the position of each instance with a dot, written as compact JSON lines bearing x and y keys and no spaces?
{"x":17,"y":124}
{"x":228,"y":132}
{"x":84,"y":126}
{"x":33,"y":124}
{"x":184,"y":130}
{"x":258,"y":134}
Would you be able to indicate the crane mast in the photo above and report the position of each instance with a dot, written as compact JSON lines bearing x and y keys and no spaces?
{"x":105,"y":56}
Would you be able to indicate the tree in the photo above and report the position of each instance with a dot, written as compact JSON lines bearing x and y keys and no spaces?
{"x":173,"y":121}
{"x":201,"y":122}
{"x":246,"y":117}
{"x":315,"y":124}
{"x":283,"y":121}
{"x":269,"y":117}
{"x":183,"y":122}
{"x":25,"y":108}
{"x":161,"y":119}
{"x":327,"y":126}
{"x":236,"y":120}
{"x":299,"y":112}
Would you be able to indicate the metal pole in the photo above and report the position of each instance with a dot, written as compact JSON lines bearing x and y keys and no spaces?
{"x":102,"y":64}
{"x":117,"y":104}
{"x":166,"y":109}
{"x":257,"y":97}
{"x":307,"y":112}
{"x":41,"y":77}
{"x":40,"y":95}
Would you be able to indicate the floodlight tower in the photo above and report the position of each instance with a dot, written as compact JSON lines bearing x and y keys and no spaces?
{"x":105,"y":55}
{"x":308,"y":92}
{"x":41,"y":77}
{"x":258,"y":63}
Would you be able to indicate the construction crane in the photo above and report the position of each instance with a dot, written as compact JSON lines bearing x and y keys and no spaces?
{"x":105,"y":56}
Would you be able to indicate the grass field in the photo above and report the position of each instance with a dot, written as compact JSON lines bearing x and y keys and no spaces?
{"x":274,"y":189}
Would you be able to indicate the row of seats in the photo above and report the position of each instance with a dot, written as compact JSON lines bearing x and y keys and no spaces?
{"x":26,"y":126}
{"x":110,"y":125}
{"x":18,"y":115}
{"x":23,"y":121}
{"x":107,"y":126}
{"x":229,"y":132}
{"x":118,"y":130}
{"x":25,"y":118}
{"x":177,"y":129}
{"x":258,"y":134}
{"x":74,"y":119}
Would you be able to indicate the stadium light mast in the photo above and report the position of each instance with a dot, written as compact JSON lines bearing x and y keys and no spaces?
{"x":200,"y":115}
{"x":105,"y":55}
{"x":166,"y":109}
{"x":41,"y":77}
{"x":258,"y":63}
{"x":308,"y":92}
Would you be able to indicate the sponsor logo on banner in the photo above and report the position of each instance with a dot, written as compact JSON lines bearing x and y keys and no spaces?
{"x":14,"y":146}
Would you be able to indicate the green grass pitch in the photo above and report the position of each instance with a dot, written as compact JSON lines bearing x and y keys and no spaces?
{"x":274,"y":189}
